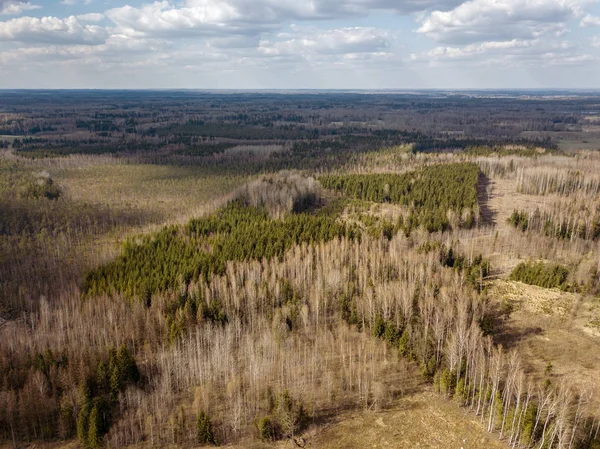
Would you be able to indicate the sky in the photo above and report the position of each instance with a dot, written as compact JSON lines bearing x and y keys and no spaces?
{"x":300,"y":44}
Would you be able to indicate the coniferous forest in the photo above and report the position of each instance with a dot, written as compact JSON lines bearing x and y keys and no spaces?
{"x":298,"y":270}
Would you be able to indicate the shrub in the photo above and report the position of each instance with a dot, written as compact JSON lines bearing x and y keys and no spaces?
{"x":267,"y":429}
{"x":288,"y":418}
{"x":549,"y":275}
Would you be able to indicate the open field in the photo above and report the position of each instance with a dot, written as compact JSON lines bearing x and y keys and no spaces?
{"x":419,"y":421}
{"x":170,"y":194}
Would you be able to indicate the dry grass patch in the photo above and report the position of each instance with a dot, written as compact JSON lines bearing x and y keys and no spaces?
{"x":535,"y":300}
{"x":551,"y":328}
{"x":422,"y":420}
{"x":173,"y":193}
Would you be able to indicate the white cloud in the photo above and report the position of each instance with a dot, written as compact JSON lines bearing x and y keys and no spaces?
{"x":243,"y":17}
{"x":51,"y":30}
{"x":75,"y":2}
{"x":278,"y":10}
{"x":343,"y":41}
{"x":14,"y":8}
{"x":90,"y":17}
{"x":117,"y":50}
{"x":160,"y":19}
{"x":589,"y":20}
{"x":468,"y":52}
{"x":513,"y":53}
{"x":498,"y":20}
{"x":238,"y":37}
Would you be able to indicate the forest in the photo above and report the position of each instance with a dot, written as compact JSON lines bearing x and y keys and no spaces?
{"x":263,"y":270}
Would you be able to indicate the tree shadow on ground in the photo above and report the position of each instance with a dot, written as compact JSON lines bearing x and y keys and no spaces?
{"x":487,"y":216}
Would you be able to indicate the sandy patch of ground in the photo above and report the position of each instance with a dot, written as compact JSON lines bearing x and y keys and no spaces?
{"x":552,"y":327}
{"x":422,"y":420}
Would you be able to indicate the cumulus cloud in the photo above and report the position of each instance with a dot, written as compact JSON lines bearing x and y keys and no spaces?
{"x":90,"y":17}
{"x":75,"y":2}
{"x":468,"y":52}
{"x":14,"y":8}
{"x":160,"y":19}
{"x":589,"y":20}
{"x":498,"y":20}
{"x":321,"y":9}
{"x":51,"y":30}
{"x":227,"y":36}
{"x":341,"y":41}
{"x":115,"y":51}
{"x":220,"y":17}
{"x":516,"y":52}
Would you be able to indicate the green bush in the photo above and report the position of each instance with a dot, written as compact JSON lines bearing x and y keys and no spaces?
{"x":288,"y":417}
{"x":42,"y":188}
{"x":267,"y":429}
{"x":447,"y":382}
{"x":547,"y":275}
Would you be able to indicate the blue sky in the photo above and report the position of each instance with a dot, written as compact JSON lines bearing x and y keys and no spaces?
{"x":345,"y":44}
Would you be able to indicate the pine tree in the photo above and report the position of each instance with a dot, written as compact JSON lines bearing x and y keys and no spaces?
{"x":83,"y":419}
{"x":94,"y":439}
{"x":205,"y":430}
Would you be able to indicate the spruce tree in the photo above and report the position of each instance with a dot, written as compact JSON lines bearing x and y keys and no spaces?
{"x":204,"y":428}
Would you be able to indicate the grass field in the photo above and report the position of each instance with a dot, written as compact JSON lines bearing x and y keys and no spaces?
{"x":171,"y":193}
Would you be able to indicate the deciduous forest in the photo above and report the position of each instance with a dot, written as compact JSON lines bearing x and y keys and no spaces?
{"x":185,"y":269}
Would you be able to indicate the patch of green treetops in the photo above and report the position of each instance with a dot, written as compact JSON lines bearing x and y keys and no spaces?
{"x":98,"y":396}
{"x":562,"y":229}
{"x":429,"y":192}
{"x":203,"y":246}
{"x":547,"y":275}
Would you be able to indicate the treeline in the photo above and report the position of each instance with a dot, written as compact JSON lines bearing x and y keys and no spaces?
{"x":205,"y":245}
{"x":540,"y":181}
{"x":523,"y":150}
{"x":49,"y":149}
{"x":438,"y":197}
{"x":484,"y":147}
{"x":236,"y":131}
{"x":564,"y":226}
{"x":547,"y":275}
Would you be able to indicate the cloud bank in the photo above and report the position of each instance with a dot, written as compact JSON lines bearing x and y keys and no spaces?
{"x":204,"y":43}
